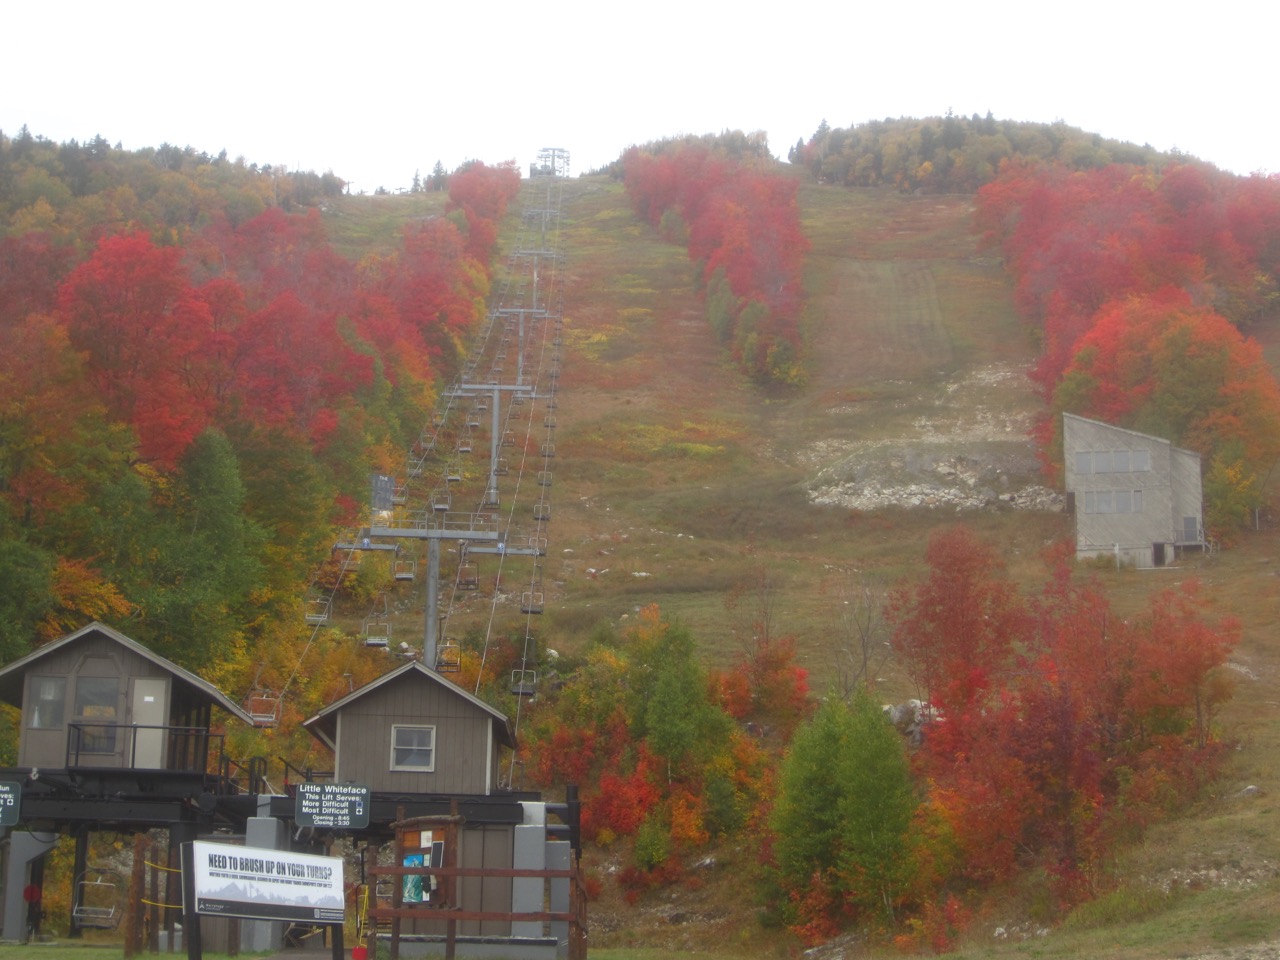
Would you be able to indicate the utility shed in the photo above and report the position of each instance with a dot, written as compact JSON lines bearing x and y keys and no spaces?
{"x":1136,"y":497}
{"x":415,"y":740}
{"x":413,"y":732}
{"x":95,"y":699}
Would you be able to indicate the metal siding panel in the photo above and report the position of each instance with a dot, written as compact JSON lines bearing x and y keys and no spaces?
{"x":498,"y":842}
{"x":471,"y":893}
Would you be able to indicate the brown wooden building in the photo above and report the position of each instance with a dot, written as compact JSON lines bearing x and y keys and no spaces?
{"x":112,"y":737}
{"x":413,"y":732}
{"x":98,"y":706}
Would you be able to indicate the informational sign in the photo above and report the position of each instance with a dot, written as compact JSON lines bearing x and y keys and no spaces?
{"x":341,"y":806}
{"x":417,"y":888}
{"x":10,"y":802}
{"x":263,"y":884}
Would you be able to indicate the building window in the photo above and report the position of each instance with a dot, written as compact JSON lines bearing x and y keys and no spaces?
{"x":1113,"y":461}
{"x":48,"y":694}
{"x":97,"y":699}
{"x":413,"y":748}
{"x":1113,"y":501}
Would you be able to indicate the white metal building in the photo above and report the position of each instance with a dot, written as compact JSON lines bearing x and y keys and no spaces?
{"x":1135,"y":497}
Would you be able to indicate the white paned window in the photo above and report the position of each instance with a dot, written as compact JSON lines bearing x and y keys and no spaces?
{"x":413,"y":748}
{"x":48,"y":694}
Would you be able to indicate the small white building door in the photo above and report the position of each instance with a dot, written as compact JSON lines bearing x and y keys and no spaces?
{"x":148,"y":712}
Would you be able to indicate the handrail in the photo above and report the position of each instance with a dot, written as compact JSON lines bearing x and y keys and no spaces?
{"x":184,"y":749}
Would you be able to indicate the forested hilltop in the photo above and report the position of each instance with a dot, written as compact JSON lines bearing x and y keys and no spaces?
{"x":205,"y":361}
{"x":955,"y":153}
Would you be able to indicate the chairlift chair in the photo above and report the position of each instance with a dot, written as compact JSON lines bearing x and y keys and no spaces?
{"x":548,"y":450}
{"x":441,"y":500}
{"x":542,"y":510}
{"x":468,"y":575}
{"x":263,"y":707}
{"x":544,"y":478}
{"x":448,"y":656}
{"x":524,"y":682}
{"x":98,"y":894}
{"x":531,"y":601}
{"x":318,"y":611}
{"x":405,"y":569}
{"x":501,"y":467}
{"x":377,"y":633}
{"x":508,"y":438}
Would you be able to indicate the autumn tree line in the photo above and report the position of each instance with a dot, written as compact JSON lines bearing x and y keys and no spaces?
{"x":740,"y":222}
{"x":195,"y":387}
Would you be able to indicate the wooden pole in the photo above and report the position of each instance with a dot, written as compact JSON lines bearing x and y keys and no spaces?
{"x":397,"y":891}
{"x":172,"y":893}
{"x":79,"y":865}
{"x":371,"y":923}
{"x":451,"y":883}
{"x":153,"y":912}
{"x":135,"y":907}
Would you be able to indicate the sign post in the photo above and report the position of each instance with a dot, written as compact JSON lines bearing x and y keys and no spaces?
{"x":339,"y":806}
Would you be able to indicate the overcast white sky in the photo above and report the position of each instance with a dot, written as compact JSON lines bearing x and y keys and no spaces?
{"x":376,"y":90}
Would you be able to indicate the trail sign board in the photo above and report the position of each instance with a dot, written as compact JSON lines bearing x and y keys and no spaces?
{"x":10,"y":802}
{"x":341,"y":806}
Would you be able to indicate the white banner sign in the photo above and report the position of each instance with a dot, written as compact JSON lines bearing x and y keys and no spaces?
{"x":266,"y":884}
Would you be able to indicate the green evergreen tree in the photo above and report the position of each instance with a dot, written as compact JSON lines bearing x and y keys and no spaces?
{"x":876,"y":809}
{"x":844,"y":808}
